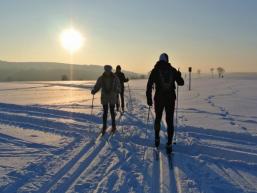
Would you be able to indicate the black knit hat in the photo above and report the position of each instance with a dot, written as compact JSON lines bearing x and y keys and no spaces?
{"x":118,"y":67}
{"x":164,"y":57}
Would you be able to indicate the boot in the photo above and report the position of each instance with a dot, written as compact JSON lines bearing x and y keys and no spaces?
{"x":113,"y":128}
{"x":157,"y":142}
{"x":169,"y":147}
{"x":104,"y":129}
{"x":157,"y":135}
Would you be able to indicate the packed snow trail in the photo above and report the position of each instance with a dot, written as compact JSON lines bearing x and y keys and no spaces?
{"x":47,"y":140}
{"x":213,"y":160}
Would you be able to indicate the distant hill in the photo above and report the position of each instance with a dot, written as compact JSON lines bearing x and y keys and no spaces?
{"x":48,"y":71}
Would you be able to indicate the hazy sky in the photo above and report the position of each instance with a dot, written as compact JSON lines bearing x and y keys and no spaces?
{"x":197,"y":33}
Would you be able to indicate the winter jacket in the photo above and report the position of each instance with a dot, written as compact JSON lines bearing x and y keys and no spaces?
{"x":163,"y":71}
{"x":110,"y":87}
{"x":122,"y":79}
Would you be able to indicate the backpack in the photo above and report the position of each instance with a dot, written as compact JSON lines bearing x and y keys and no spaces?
{"x":166,"y":79}
{"x":107,"y":83}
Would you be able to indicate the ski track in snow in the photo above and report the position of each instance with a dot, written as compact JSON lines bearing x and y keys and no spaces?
{"x":205,"y":159}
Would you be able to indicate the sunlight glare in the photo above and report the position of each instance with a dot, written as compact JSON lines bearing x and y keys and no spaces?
{"x":71,"y":40}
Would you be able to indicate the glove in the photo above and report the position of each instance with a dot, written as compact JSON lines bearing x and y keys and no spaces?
{"x":92,"y":92}
{"x":150,"y":102}
{"x":179,"y":73}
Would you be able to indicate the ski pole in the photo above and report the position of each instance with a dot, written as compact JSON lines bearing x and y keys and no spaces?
{"x":130,"y":96}
{"x":177,"y":108}
{"x":175,"y":139}
{"x":148,"y":115}
{"x":92,"y":106}
{"x":147,"y":123}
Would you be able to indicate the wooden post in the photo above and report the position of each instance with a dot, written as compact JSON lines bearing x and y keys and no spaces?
{"x":189,"y":70}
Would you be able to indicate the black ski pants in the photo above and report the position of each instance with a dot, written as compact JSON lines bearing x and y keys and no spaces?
{"x":105,"y":114}
{"x":169,"y":106}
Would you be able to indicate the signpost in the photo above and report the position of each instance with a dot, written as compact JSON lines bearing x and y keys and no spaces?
{"x":190,"y":71}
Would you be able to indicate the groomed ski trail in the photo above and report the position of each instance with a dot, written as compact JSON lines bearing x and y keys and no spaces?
{"x":164,"y":179}
{"x":65,"y":177}
{"x":167,"y":177}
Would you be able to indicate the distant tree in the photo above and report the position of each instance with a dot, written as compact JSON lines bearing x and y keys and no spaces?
{"x":64,"y":77}
{"x":212,"y":72}
{"x":221,"y":72}
{"x":142,"y":76}
{"x":9,"y":78}
{"x":199,"y":72}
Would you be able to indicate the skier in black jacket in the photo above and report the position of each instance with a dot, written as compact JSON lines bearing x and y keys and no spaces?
{"x":122,"y":79}
{"x":163,"y":76}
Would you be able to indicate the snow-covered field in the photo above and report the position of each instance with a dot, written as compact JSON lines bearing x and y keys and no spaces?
{"x":48,"y":140}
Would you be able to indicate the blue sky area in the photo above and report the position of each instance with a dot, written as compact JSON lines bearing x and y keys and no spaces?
{"x":199,"y":33}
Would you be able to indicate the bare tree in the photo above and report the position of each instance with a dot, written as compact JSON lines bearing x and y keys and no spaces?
{"x":212,"y":72}
{"x":199,"y":72}
{"x":64,"y":77}
{"x":220,"y":71}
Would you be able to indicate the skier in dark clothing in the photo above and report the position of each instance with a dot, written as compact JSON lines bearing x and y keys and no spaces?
{"x":163,"y":76}
{"x":110,"y":85}
{"x":120,"y":96}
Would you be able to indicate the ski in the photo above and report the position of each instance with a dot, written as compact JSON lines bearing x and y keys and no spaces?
{"x":111,"y":135}
{"x":156,"y":153}
{"x":101,"y":135}
{"x":117,"y":121}
{"x":120,"y":116}
{"x":170,"y":157}
{"x":98,"y":137}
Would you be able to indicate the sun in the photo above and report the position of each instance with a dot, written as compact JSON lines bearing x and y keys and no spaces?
{"x":71,"y":40}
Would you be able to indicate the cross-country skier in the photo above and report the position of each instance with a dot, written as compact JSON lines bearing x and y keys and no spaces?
{"x":163,"y":76}
{"x":120,"y":96}
{"x":110,"y":87}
